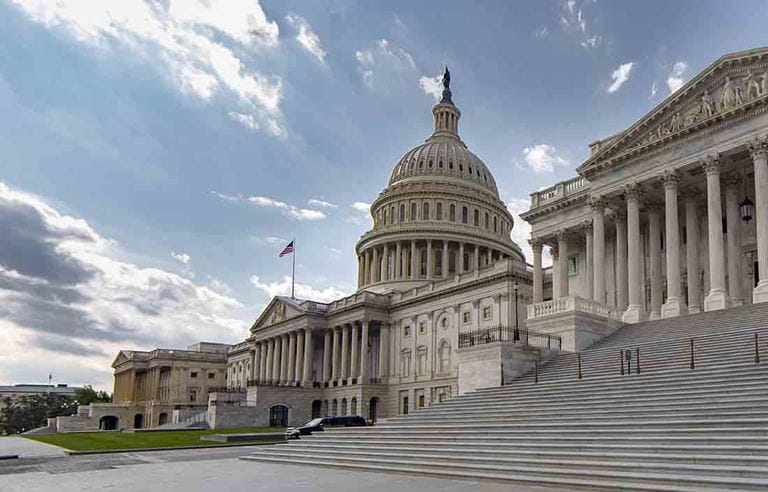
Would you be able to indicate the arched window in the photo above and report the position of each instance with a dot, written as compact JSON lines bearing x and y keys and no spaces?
{"x":452,"y":262}
{"x":466,"y":262}
{"x":470,"y":170}
{"x":423,"y":262}
{"x":392,"y":214}
{"x":343,"y":406}
{"x":335,"y":407}
{"x":413,"y":212}
{"x":425,"y":211}
{"x":353,"y":406}
{"x":495,"y":229}
{"x":487,"y":221}
{"x":439,"y":262}
{"x":477,"y":217}
{"x":464,"y":212}
{"x":444,"y":356}
{"x":452,"y":212}
{"x":450,"y":165}
{"x":402,"y":212}
{"x":385,"y":217}
{"x":439,"y":211}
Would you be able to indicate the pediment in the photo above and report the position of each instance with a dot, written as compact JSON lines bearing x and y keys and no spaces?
{"x":120,"y":358}
{"x":733,"y":85}
{"x":278,"y":310}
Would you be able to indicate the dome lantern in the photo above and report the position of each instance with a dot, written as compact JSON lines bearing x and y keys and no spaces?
{"x":445,"y":113}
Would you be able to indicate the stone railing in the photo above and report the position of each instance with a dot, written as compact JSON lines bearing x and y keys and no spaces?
{"x":364,"y":296}
{"x":558,"y":191}
{"x":570,"y":305}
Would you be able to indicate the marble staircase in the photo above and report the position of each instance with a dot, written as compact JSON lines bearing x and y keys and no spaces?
{"x":667,"y":428}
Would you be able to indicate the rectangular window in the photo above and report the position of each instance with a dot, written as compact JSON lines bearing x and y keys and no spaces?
{"x":421,"y":401}
{"x":573,"y":265}
{"x":211,"y":375}
{"x":193,"y":395}
{"x":487,"y":312}
{"x":406,"y":331}
{"x":422,"y":327}
{"x":193,"y":374}
{"x":466,"y":316}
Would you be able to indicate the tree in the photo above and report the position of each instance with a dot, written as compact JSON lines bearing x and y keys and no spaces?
{"x":29,"y":412}
{"x":87,"y":395}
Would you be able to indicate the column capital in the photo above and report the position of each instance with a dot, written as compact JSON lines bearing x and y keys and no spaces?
{"x":586,"y":227}
{"x":654,"y":207}
{"x":670,"y":178}
{"x":536,"y":243}
{"x":732,"y":180}
{"x":554,"y":251}
{"x":597,"y":202}
{"x":758,"y":147}
{"x":632,"y":191}
{"x":712,"y":164}
{"x":619,"y":215}
{"x":562,"y":235}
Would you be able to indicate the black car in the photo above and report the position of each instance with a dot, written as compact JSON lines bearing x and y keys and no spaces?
{"x":319,"y":424}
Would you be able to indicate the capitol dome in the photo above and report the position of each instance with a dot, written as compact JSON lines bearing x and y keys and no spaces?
{"x":440,"y":214}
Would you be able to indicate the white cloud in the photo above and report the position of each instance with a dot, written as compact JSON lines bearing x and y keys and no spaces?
{"x":306,"y":37}
{"x":541,"y":33}
{"x":361,"y":214}
{"x":316,"y":202}
{"x":521,"y":231}
{"x":675,"y":79}
{"x":182,"y":257}
{"x":592,"y":41}
{"x":654,"y":90}
{"x":362,"y":207}
{"x":620,"y":75}
{"x":542,"y":158}
{"x":68,"y":298}
{"x":266,"y":202}
{"x":302,"y":291}
{"x":385,"y":62}
{"x":573,"y":19}
{"x":195,"y":43}
{"x":432,"y":86}
{"x":247,"y":120}
{"x":269,"y":240}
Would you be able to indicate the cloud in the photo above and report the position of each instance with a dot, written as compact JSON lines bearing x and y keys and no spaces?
{"x":620,"y":75}
{"x":303,"y":291}
{"x":521,"y":231}
{"x":316,"y":202}
{"x":247,"y":120}
{"x":182,"y":257}
{"x":432,"y":86}
{"x":66,"y":296}
{"x":542,"y":158}
{"x":385,"y":63}
{"x":269,"y":240}
{"x":675,"y":79}
{"x":541,"y":33}
{"x":362,"y":207}
{"x":197,"y":44}
{"x":265,"y":202}
{"x":573,"y":19}
{"x":654,"y":90}
{"x":306,"y":37}
{"x":361,"y":214}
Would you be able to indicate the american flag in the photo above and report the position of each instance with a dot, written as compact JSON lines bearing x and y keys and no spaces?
{"x":287,"y":250}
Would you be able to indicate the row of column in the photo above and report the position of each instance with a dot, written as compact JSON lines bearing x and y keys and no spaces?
{"x":629,"y":279}
{"x":374,"y":263}
{"x":284,"y":359}
{"x":345,"y":354}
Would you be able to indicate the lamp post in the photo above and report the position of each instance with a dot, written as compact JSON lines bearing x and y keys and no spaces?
{"x":517,"y":329}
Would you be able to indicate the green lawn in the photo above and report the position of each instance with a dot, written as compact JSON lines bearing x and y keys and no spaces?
{"x":89,"y":441}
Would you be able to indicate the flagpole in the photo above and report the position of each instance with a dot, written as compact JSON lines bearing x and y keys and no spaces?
{"x":293,"y":269}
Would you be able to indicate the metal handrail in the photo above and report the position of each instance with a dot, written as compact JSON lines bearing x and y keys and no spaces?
{"x":494,"y":334}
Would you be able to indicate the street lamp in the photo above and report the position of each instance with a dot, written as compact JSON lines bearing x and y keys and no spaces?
{"x":747,"y":209}
{"x":517,"y":329}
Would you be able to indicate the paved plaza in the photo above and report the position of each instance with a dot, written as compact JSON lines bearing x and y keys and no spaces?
{"x":205,"y":470}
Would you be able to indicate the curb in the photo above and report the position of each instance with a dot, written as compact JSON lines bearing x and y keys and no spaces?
{"x":168,"y":448}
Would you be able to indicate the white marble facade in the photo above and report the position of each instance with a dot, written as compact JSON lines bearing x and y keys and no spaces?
{"x":656,"y":223}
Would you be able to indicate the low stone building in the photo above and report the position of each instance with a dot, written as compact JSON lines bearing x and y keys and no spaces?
{"x":9,"y":394}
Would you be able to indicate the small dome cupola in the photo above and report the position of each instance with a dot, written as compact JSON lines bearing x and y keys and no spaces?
{"x":446,"y":114}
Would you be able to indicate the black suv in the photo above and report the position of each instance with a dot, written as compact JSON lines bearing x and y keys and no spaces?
{"x":319,"y":424}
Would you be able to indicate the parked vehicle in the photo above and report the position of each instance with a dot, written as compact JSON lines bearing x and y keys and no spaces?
{"x":319,"y":424}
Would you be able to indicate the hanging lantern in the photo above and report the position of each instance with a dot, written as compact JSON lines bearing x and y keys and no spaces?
{"x":747,"y":209}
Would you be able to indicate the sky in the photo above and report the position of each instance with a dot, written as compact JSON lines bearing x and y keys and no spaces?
{"x":156,"y":155}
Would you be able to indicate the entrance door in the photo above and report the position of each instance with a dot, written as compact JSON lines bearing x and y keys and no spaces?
{"x":316,"y":409}
{"x":278,"y":416}
{"x":138,"y":421}
{"x":372,"y":409}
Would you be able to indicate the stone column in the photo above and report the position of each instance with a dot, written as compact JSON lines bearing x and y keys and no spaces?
{"x":298,"y":375}
{"x":291,"y":376}
{"x":589,"y":254}
{"x":733,"y":236}
{"x":335,"y":355}
{"x":264,"y":359}
{"x":383,"y":350}
{"x":538,"y":272}
{"x":635,"y":311}
{"x":354,"y":369}
{"x":562,"y":262}
{"x":256,"y":364}
{"x":430,"y":272}
{"x":460,"y":266}
{"x":445,"y":259}
{"x":398,"y":266}
{"x":598,"y":243}
{"x":693,"y":234}
{"x":284,"y":349}
{"x":414,"y":257}
{"x":675,"y":306}
{"x":276,"y":360}
{"x":367,"y":274}
{"x":622,"y":294}
{"x":344,"y":352}
{"x":476,"y":258}
{"x":385,"y":266}
{"x":307,"y":365}
{"x":555,"y":254}
{"x":717,"y":297}
{"x":654,"y":242}
{"x":376,"y":266}
{"x":364,"y":352}
{"x":327,"y":356}
{"x":758,"y":148}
